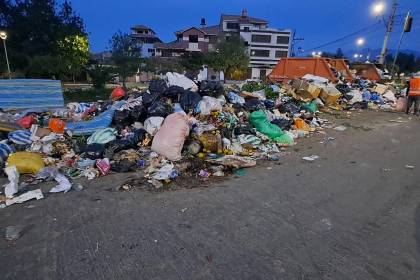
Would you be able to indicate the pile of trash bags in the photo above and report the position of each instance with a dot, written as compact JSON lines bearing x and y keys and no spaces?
{"x":174,"y":129}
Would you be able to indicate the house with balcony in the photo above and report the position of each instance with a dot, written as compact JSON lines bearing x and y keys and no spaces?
{"x":145,"y":38}
{"x":192,"y":39}
{"x":265,"y":45}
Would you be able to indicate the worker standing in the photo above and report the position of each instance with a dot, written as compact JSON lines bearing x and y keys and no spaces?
{"x":413,"y":94}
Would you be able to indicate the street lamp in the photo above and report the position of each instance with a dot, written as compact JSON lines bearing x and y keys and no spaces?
{"x":3,"y":36}
{"x":378,"y":8}
{"x":360,"y":42}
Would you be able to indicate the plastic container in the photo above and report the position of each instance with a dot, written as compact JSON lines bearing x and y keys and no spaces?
{"x":57,"y":125}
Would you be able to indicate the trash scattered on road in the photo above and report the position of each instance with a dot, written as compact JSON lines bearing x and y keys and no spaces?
{"x":35,"y":194}
{"x":340,"y":128}
{"x":311,"y":158}
{"x":13,"y":233}
{"x":409,"y":167}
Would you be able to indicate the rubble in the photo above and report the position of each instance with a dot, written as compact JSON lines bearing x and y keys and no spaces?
{"x":176,"y":129}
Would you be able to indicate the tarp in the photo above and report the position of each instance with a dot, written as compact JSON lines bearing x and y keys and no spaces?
{"x":30,"y":93}
{"x":102,"y":121}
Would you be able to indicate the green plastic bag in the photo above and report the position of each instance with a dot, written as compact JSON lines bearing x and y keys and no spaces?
{"x":102,"y":136}
{"x":259,"y":120}
{"x":311,"y":107}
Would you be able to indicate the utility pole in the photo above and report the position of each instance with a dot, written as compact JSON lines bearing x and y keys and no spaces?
{"x":407,"y":28}
{"x":389,"y":27}
{"x":294,"y":40}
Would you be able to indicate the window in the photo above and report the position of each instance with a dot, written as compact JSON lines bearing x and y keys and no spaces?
{"x":260,"y":53}
{"x":282,"y":40}
{"x":281,"y":54}
{"x":166,"y":53}
{"x":261,"y":38}
{"x":246,"y":29}
{"x":193,"y":38}
{"x":212,"y":39}
{"x":150,"y":50}
{"x":232,"y":25}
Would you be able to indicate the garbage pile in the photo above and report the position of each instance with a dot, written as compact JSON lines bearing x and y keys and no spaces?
{"x":360,"y":94}
{"x":176,"y":129}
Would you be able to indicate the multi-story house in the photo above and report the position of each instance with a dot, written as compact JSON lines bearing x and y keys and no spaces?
{"x":193,"y":39}
{"x":265,"y":45}
{"x":145,"y":38}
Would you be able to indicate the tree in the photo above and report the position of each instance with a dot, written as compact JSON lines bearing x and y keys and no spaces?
{"x":35,"y":28}
{"x":192,"y":60}
{"x":231,"y":55}
{"x":100,"y":75}
{"x":339,"y":53}
{"x":74,"y":54}
{"x":125,"y":55}
{"x":406,"y":63}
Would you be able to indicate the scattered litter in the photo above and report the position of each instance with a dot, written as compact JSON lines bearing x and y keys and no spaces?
{"x":35,"y":194}
{"x":13,"y":233}
{"x":409,"y":167}
{"x":311,"y":158}
{"x":340,"y":128}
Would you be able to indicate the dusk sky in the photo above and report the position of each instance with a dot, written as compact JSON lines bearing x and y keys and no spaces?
{"x":319,"y":22}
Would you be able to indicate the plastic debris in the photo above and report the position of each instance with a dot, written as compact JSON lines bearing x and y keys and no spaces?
{"x":12,"y":187}
{"x":64,"y":184}
{"x":311,"y":158}
{"x":340,"y":128}
{"x":35,"y":194}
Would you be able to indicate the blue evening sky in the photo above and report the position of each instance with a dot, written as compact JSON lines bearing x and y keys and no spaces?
{"x":318,"y":21}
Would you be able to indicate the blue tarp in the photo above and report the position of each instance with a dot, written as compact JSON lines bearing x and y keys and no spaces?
{"x":30,"y":93}
{"x":102,"y":121}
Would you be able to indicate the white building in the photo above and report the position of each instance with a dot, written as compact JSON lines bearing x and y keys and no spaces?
{"x":265,"y":45}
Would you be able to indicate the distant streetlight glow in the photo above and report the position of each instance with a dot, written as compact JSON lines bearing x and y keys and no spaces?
{"x":3,"y":35}
{"x":378,"y":8}
{"x":360,"y":42}
{"x":313,"y":53}
{"x":319,"y":53}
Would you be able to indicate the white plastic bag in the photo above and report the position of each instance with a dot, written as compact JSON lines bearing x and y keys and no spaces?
{"x":176,"y":79}
{"x":208,"y":104}
{"x":13,"y":175}
{"x":170,"y":138}
{"x":153,"y":124}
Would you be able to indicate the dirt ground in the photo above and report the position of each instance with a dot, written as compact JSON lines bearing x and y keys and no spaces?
{"x":354,"y":213}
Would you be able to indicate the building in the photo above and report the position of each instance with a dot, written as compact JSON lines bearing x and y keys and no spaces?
{"x":265,"y":45}
{"x":193,"y":39}
{"x":145,"y":38}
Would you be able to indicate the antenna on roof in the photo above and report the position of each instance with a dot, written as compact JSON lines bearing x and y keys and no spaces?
{"x":203,"y":22}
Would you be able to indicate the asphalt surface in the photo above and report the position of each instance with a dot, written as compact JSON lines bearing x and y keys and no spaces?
{"x":354,"y":213}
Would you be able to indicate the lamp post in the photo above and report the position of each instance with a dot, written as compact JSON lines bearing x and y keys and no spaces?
{"x":3,"y":36}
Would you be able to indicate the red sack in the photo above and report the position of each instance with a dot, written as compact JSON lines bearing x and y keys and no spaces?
{"x":117,"y":93}
{"x":26,"y":122}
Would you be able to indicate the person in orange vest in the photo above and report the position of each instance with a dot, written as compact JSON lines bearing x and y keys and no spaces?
{"x":413,"y":95}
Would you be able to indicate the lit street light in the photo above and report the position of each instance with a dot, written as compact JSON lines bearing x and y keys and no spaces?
{"x":378,"y":8}
{"x":360,"y":42}
{"x":3,"y":36}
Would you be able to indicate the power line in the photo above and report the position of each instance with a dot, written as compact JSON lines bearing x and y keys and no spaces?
{"x":344,"y":37}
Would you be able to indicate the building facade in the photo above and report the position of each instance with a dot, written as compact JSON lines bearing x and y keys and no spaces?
{"x":265,"y":45}
{"x":193,"y":39}
{"x":145,"y":38}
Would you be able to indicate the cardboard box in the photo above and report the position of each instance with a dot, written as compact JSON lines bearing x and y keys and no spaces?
{"x":381,"y":89}
{"x":305,"y":91}
{"x":330,"y":95}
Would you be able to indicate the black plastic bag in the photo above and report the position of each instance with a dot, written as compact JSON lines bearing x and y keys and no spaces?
{"x":125,"y":144}
{"x":244,"y":129}
{"x":284,"y":124}
{"x":253,"y":104}
{"x":289,"y":107}
{"x":159,"y":108}
{"x":174,"y":92}
{"x":123,"y":166}
{"x":211,"y":88}
{"x":93,"y":151}
{"x":157,"y":86}
{"x":148,"y":98}
{"x":189,"y":100}
{"x":122,"y":118}
{"x":269,"y":104}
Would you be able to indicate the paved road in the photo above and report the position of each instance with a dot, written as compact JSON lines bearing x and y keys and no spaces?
{"x":352,"y":214}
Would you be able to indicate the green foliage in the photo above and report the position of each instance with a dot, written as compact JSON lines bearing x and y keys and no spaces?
{"x":338,"y":54}
{"x":125,"y":55}
{"x":231,"y":55}
{"x":100,"y":75}
{"x":74,"y":54}
{"x":87,"y":95}
{"x":35,"y":28}
{"x":45,"y":66}
{"x":406,"y":63}
{"x":193,"y":60}
{"x":254,"y":86}
{"x":163,"y":65}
